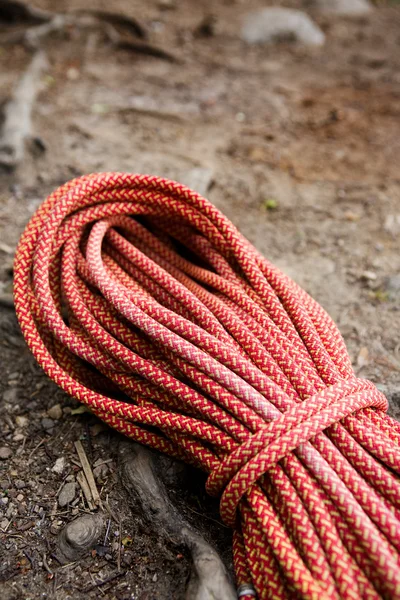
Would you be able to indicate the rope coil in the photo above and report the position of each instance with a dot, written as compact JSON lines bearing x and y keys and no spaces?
{"x":141,"y":300}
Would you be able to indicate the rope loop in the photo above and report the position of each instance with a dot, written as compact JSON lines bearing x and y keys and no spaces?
{"x":242,"y":468}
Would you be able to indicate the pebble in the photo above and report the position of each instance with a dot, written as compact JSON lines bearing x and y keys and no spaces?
{"x":59,"y":465}
{"x":392,"y":225}
{"x":19,"y":484}
{"x":18,"y":437}
{"x":20,"y":497}
{"x":5,"y":453}
{"x":198,"y":179}
{"x":273,"y":24}
{"x":73,"y":74}
{"x":47,"y":423}
{"x":392,"y":285}
{"x":55,"y":412}
{"x":369,"y":275}
{"x":11,"y":510}
{"x":344,"y":7}
{"x":67,"y":494}
{"x":11,"y":395}
{"x":21,"y":421}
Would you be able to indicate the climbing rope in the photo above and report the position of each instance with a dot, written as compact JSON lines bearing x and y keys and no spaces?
{"x":141,"y":300}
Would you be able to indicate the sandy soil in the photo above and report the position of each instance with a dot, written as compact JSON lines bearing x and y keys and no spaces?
{"x":299,"y":147}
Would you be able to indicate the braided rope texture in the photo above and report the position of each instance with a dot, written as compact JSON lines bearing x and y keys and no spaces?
{"x":141,"y":300}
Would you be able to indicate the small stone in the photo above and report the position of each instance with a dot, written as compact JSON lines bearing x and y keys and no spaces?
{"x":351,"y":216}
{"x":11,"y":511}
{"x":47,"y":423}
{"x":198,"y":179}
{"x":55,"y":412}
{"x":73,"y":74}
{"x":4,"y":524}
{"x":369,"y":275}
{"x":4,"y":501}
{"x":392,"y":225}
{"x":273,"y":24}
{"x":67,"y":494}
{"x":11,"y":395}
{"x":363,"y":357}
{"x":97,"y":428}
{"x":18,"y":436}
{"x":21,"y":421}
{"x":19,"y":484}
{"x":59,"y":465}
{"x":20,"y":497}
{"x":5,"y":453}
{"x":392,"y":286}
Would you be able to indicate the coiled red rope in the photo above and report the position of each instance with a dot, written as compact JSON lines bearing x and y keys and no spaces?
{"x":141,"y":300}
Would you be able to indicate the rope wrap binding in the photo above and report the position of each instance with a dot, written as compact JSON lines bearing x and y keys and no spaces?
{"x":141,"y":300}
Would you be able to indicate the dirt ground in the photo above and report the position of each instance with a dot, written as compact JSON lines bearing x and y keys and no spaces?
{"x":299,"y":147}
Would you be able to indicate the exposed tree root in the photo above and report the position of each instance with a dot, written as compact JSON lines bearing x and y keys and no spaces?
{"x":209,"y":579}
{"x":122,"y":31}
{"x":17,"y":125}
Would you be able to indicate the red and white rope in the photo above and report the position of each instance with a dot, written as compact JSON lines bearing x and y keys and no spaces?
{"x":141,"y":300}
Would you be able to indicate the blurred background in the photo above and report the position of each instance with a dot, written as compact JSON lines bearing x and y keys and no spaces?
{"x":286,"y":116}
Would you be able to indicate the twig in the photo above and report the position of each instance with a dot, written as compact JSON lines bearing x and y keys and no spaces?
{"x":137,"y":46}
{"x":149,"y":49}
{"x":107,"y":532}
{"x":128,"y":23}
{"x":110,"y":512}
{"x":18,"y":113}
{"x":81,"y":479}
{"x":29,"y":558}
{"x":46,"y":566}
{"x":88,"y":472}
{"x":100,"y":583}
{"x":36,"y":447}
{"x":98,"y":463}
{"x":119,"y":546}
